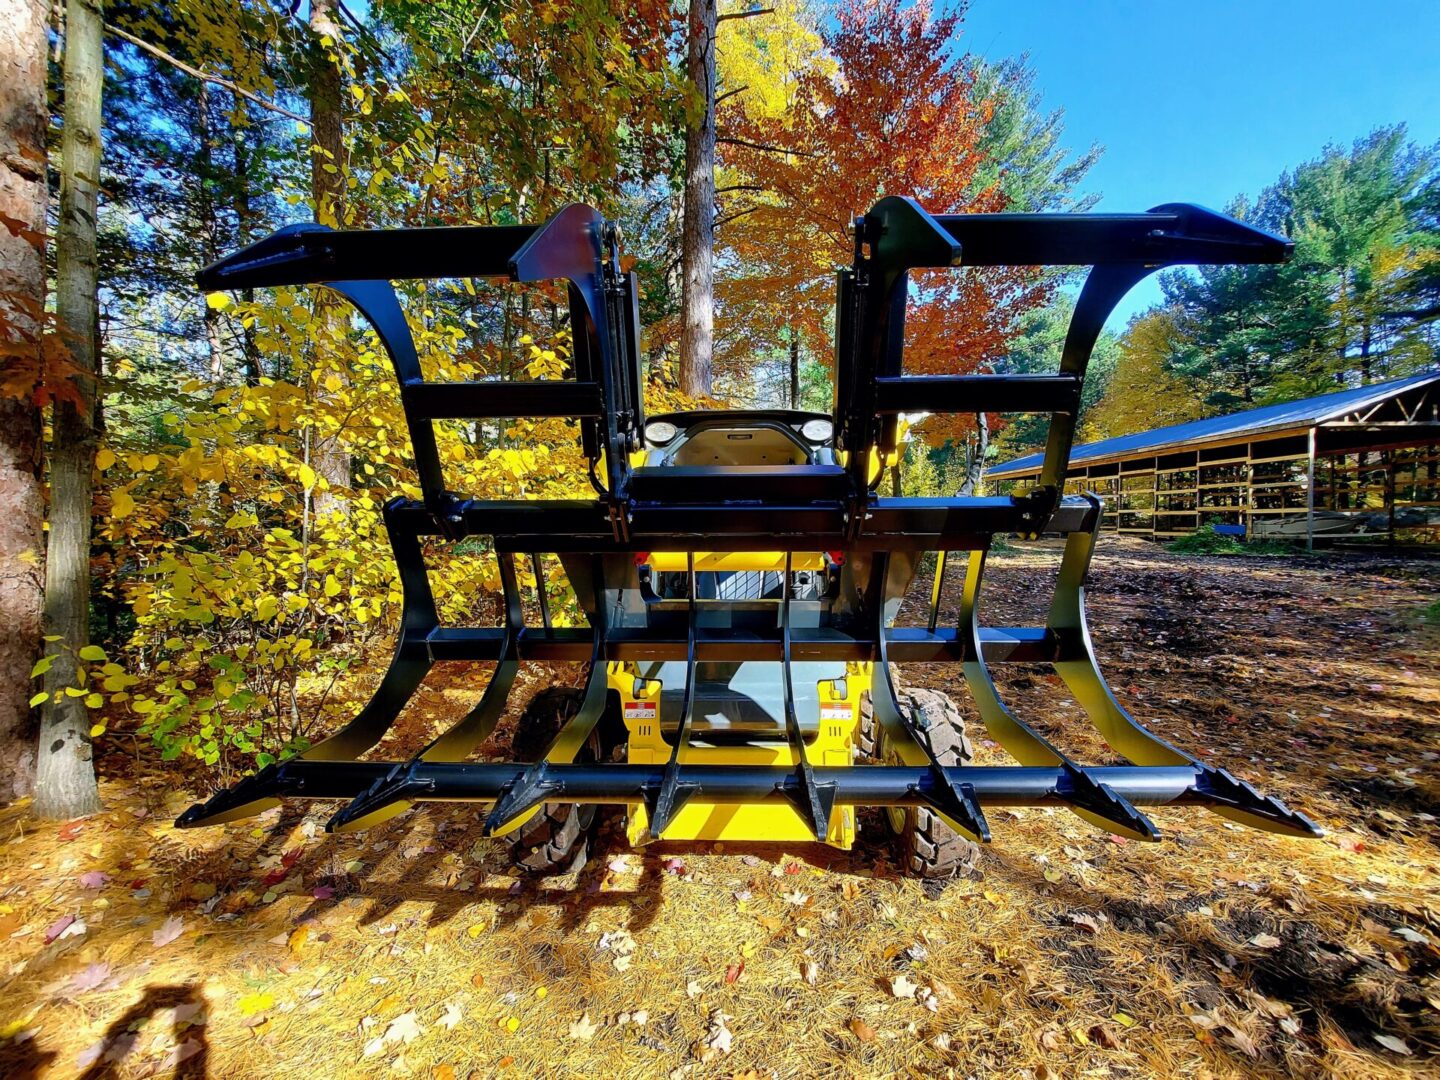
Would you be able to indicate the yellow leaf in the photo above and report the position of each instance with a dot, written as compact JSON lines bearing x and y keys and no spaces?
{"x":541,"y":992}
{"x":332,"y":585}
{"x":94,"y":701}
{"x":98,"y":729}
{"x":251,"y":1004}
{"x":121,"y":505}
{"x":93,"y":653}
{"x":513,"y":1024}
{"x":38,"y":699}
{"x":298,"y":938}
{"x":104,"y":459}
{"x":217,"y":301}
{"x":307,"y":477}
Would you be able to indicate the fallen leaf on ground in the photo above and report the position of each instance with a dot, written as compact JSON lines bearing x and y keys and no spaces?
{"x":251,"y":1004}
{"x":58,"y":927}
{"x":1392,"y":1042}
{"x":718,"y":1039}
{"x":1265,"y":941}
{"x":404,"y":1029}
{"x":863,"y":1031}
{"x":902,"y":987}
{"x":92,"y":977}
{"x":583,"y":1030}
{"x":169,"y":930}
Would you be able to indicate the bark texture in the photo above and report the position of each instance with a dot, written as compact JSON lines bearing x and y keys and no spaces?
{"x":327,"y":183}
{"x":65,"y":772}
{"x":22,"y":300}
{"x":697,"y":240}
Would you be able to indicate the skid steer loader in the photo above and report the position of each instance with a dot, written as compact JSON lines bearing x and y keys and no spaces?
{"x":741,"y":572}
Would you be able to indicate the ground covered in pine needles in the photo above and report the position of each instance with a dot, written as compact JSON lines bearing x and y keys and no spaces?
{"x":269,"y":948}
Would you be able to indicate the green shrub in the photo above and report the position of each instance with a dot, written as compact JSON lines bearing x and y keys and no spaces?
{"x":1206,"y":541}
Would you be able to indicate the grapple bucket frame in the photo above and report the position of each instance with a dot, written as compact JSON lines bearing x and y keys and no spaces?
{"x":791,"y":509}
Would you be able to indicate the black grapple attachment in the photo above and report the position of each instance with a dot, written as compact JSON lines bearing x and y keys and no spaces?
{"x":828,"y":503}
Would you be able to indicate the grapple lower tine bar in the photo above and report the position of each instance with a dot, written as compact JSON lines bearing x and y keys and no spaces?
{"x":815,"y":803}
{"x":675,"y":791}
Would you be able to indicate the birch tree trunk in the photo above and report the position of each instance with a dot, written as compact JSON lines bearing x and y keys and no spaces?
{"x":697,"y":238}
{"x":23,"y":118}
{"x":65,"y":773}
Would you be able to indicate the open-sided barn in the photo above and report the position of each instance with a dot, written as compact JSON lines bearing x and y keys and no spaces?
{"x":1363,"y":461}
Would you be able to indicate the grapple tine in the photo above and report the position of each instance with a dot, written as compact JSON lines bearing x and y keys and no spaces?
{"x":245,"y":798}
{"x":387,"y":798}
{"x":383,"y":800}
{"x":1098,"y":804}
{"x":530,"y":789}
{"x":814,"y":805}
{"x":1095,"y":803}
{"x":1078,"y":667}
{"x":537,"y":783}
{"x":1240,"y":802}
{"x":959,"y":806}
{"x":674,"y":793}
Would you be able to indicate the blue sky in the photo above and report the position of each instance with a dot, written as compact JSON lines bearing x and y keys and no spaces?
{"x":1199,"y":101}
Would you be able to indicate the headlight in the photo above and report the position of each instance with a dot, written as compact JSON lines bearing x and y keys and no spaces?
{"x":659,"y":432}
{"x":817,"y":431}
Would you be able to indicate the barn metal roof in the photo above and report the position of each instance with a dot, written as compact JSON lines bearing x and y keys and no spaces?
{"x":1302,"y":414}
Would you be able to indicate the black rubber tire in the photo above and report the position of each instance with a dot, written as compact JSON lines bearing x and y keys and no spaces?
{"x":866,"y":740}
{"x":558,"y":839}
{"x":928,"y":848}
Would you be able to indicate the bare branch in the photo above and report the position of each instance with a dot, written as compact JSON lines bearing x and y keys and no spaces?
{"x":761,"y":146}
{"x":204,"y":76}
{"x":745,"y":14}
{"x":731,"y":93}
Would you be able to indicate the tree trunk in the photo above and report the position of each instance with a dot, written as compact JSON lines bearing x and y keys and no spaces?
{"x":23,"y":119}
{"x":244,"y":222}
{"x":327,"y":183}
{"x":65,"y":774}
{"x":209,"y":225}
{"x":697,"y":240}
{"x":794,"y":369}
{"x":975,"y":457}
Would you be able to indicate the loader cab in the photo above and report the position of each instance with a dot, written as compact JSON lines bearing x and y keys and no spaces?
{"x":734,"y":438}
{"x":760,"y":456}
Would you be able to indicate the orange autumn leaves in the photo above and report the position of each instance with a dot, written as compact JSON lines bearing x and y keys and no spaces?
{"x":900,"y":114}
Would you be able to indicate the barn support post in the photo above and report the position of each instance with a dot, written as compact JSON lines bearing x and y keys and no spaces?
{"x":1310,"y":493}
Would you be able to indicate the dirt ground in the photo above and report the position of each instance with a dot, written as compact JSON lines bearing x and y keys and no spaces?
{"x":270,"y":948}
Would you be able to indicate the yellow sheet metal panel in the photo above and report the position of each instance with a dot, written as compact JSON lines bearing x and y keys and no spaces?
{"x":743,"y":822}
{"x":671,"y":561}
{"x":833,"y":745}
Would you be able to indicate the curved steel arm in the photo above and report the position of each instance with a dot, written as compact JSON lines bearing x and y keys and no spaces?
{"x":1094,"y":802}
{"x":1079,"y":668}
{"x":408,"y":668}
